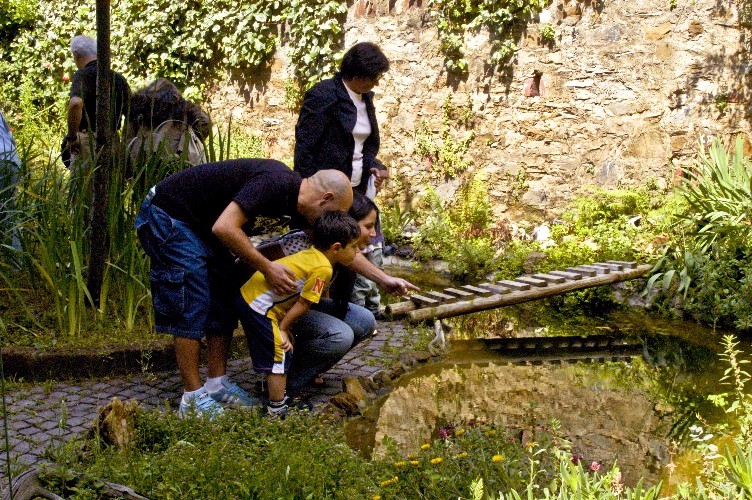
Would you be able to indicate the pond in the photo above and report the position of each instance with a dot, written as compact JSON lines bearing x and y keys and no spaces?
{"x":627,"y":392}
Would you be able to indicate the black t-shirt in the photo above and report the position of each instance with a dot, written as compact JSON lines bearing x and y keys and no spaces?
{"x":266,"y":190}
{"x":84,"y":85}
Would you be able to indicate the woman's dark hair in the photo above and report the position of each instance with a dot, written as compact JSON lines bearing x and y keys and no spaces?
{"x":361,"y":206}
{"x":364,"y":59}
{"x":157,"y":102}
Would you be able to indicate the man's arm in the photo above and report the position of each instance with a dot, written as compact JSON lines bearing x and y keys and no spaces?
{"x":391,"y":284}
{"x":229,"y":229}
{"x":75,"y":112}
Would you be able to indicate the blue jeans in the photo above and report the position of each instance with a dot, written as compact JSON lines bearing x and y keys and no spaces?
{"x":190,"y":298}
{"x":321,"y":340}
{"x":365,"y":292}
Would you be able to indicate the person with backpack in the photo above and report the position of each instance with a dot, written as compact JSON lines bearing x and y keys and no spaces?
{"x":161,"y":120}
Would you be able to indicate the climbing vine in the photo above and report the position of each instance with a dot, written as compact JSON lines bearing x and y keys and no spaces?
{"x":500,"y":17}
{"x":316,"y":38}
{"x":193,"y":43}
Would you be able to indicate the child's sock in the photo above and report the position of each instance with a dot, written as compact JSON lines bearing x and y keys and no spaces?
{"x":277,"y":406}
{"x":214,"y":384}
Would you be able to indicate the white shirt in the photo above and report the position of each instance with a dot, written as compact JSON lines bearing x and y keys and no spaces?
{"x":360,"y":133}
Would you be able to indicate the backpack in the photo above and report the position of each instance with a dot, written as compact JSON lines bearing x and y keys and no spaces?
{"x":171,"y":137}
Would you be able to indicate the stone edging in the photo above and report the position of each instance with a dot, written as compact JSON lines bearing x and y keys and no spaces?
{"x":33,"y":364}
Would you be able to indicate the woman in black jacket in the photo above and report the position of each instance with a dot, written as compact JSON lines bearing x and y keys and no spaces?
{"x":337,"y":129}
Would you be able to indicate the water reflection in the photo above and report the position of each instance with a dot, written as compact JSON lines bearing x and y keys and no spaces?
{"x":625,"y":411}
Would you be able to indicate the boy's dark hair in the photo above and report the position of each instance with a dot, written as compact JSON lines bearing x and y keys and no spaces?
{"x":364,"y":59}
{"x":334,"y":227}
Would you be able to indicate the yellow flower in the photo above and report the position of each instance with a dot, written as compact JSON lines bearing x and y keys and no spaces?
{"x":491,"y":433}
{"x":497,"y":458}
{"x":389,"y":481}
{"x":461,"y":455}
{"x":436,"y":460}
{"x":425,"y":446}
{"x":400,"y":463}
{"x":412,"y":456}
{"x":459,"y":432}
{"x":530,"y":444}
{"x":415,"y":462}
{"x":376,"y":497}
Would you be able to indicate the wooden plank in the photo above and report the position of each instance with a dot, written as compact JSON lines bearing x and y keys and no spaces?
{"x":515,"y":285}
{"x":597,"y":269}
{"x":421,"y":300}
{"x":581,"y":270}
{"x":494,"y":288}
{"x":462,"y":294}
{"x":567,"y":275}
{"x":626,"y":264}
{"x":441,"y":297}
{"x":531,"y":281}
{"x":551,"y":278}
{"x":494,"y":301}
{"x":477,"y":291}
{"x":613,"y":267}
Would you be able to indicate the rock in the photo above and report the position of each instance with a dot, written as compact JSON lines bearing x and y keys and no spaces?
{"x":421,"y":356}
{"x":532,"y":260}
{"x":368,"y":384}
{"x":382,"y":379}
{"x":115,"y":423}
{"x":346,"y":402}
{"x":407,"y":359}
{"x":354,"y":388}
{"x":542,"y":234}
{"x":695,"y":28}
{"x":654,"y":33}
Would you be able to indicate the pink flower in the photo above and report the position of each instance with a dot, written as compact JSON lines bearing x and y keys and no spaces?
{"x":594,"y":466}
{"x":66,"y":77}
{"x":445,"y":432}
{"x":576,"y":459}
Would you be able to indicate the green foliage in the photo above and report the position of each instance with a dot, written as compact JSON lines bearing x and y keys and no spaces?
{"x":707,"y":257}
{"x":460,"y":232}
{"x":193,"y":44}
{"x":394,"y":220}
{"x":315,"y":38}
{"x":454,"y":18}
{"x":547,"y":33}
{"x":446,"y":153}
{"x":14,"y":16}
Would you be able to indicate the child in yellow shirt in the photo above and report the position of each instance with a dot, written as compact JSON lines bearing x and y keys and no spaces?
{"x":266,"y":317}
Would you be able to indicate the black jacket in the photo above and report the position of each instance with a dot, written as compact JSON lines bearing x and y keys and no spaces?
{"x":323,"y":134}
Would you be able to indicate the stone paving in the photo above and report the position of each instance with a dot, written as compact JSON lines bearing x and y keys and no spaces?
{"x":50,"y":412}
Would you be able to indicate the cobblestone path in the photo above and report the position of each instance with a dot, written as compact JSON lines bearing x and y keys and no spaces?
{"x":47,"y":413}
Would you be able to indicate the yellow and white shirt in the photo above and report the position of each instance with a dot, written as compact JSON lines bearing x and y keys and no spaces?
{"x":313,"y":271}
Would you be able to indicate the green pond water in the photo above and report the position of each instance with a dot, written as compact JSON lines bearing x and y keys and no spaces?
{"x":632,"y":408}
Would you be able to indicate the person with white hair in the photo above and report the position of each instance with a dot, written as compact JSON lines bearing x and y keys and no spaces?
{"x":82,"y":105}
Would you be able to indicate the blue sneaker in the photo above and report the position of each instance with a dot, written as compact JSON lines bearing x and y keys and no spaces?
{"x":232,"y":394}
{"x":201,"y":404}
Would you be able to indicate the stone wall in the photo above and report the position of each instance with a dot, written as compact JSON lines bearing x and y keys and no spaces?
{"x":627,"y":92}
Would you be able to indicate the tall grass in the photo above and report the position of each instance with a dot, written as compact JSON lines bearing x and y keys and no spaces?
{"x":44,"y":281}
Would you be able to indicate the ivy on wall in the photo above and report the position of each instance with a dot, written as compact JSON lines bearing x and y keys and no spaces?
{"x":453,"y":18}
{"x":193,"y":43}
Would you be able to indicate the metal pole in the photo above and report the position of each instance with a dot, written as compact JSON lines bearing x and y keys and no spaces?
{"x":99,"y":242}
